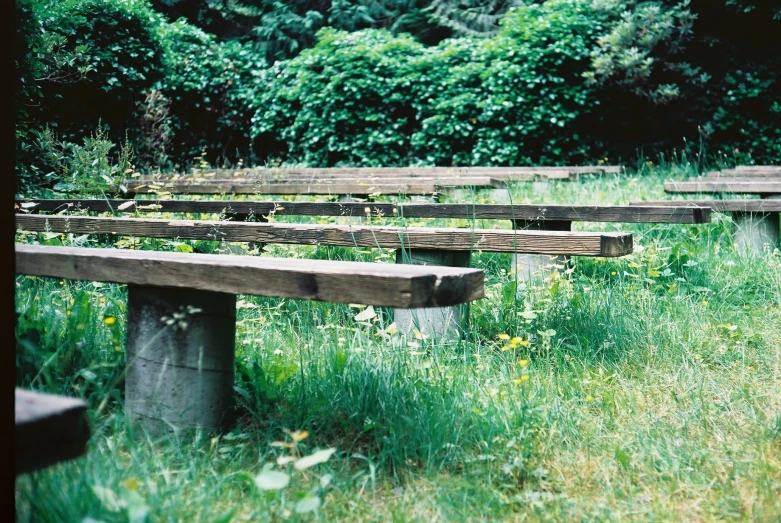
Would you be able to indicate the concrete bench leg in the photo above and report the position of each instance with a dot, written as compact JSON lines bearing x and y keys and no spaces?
{"x":441,"y":323}
{"x":179,"y":374}
{"x":754,"y":229}
{"x":529,"y":266}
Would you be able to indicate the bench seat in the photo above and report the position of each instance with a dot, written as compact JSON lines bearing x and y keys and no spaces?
{"x":447,"y":239}
{"x":181,"y":314}
{"x":48,"y":429}
{"x":764,"y":186}
{"x":332,"y":281}
{"x":655,"y":212}
{"x":756,"y":221}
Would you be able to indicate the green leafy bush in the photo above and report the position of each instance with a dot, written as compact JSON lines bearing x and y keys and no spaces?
{"x":209,"y":85}
{"x":122,"y":56}
{"x":345,"y":101}
{"x":374,"y":99}
{"x":513,"y":99}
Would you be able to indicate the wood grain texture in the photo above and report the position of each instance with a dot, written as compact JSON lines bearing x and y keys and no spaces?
{"x":725,"y":185}
{"x":379,"y":284}
{"x":254,"y":187}
{"x":767,"y":171}
{"x":48,"y":429}
{"x":625,"y":214}
{"x":331,"y":179}
{"x":498,"y":172}
{"x":448,"y":180}
{"x":448,"y":239}
{"x":754,"y":205}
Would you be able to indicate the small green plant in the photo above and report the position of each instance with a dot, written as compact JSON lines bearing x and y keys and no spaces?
{"x":95,"y":167}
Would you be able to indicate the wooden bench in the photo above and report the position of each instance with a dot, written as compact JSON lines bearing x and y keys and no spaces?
{"x":538,"y":217}
{"x":763,"y":187}
{"x":48,"y":429}
{"x":334,"y":187}
{"x":747,"y":171}
{"x":753,"y":228}
{"x":240,"y":210}
{"x":181,"y":313}
{"x":415,"y":245}
{"x":354,"y":181}
{"x":501,"y":173}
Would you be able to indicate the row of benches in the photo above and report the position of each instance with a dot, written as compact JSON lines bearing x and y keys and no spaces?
{"x":756,"y":220}
{"x":355,"y":182}
{"x":184,"y":377}
{"x":181,"y":372}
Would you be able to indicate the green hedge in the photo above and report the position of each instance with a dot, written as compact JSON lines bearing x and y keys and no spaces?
{"x":563,"y":81}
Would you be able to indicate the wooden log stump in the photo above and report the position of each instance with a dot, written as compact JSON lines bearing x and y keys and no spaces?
{"x":441,"y":323}
{"x":180,"y":356}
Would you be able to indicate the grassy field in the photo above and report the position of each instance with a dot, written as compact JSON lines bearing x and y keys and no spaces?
{"x":643,"y":388}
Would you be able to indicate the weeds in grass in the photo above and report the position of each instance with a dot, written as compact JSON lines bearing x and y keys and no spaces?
{"x":640,"y":388}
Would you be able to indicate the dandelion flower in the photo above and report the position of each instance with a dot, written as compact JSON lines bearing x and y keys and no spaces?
{"x":109,"y":320}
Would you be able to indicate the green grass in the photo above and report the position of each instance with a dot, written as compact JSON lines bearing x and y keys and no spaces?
{"x":653,"y":392}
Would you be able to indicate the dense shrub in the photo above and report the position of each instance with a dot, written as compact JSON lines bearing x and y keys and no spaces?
{"x":560,"y":81}
{"x":517,"y":98}
{"x":344,"y":101}
{"x":123,"y":57}
{"x":209,"y":84}
{"x":374,"y":99}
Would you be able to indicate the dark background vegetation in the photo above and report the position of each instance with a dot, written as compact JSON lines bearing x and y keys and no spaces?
{"x":391,"y":82}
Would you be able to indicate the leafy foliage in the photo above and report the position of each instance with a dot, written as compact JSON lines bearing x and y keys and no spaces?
{"x":374,"y":99}
{"x":208,"y":84}
{"x":561,"y":81}
{"x":122,"y":57}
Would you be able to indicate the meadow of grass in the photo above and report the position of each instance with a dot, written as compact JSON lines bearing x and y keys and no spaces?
{"x":643,"y":388}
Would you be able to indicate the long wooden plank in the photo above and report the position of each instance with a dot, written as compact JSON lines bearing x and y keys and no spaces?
{"x":382,"y":284}
{"x":766,"y":171}
{"x":425,"y":171}
{"x":754,"y":205}
{"x":359,"y":180}
{"x":491,"y":240}
{"x":237,"y":187}
{"x":328,"y":177}
{"x":476,"y":178}
{"x":48,"y":429}
{"x":648,"y":214}
{"x":729,"y":186}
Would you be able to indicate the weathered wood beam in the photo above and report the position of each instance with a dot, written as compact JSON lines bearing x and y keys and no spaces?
{"x":747,"y":171}
{"x":48,"y":429}
{"x":331,"y":281}
{"x":283,"y":188}
{"x":753,"y":205}
{"x":637,"y":213}
{"x":306,"y":179}
{"x":725,"y":186}
{"x":451,"y":239}
{"x":561,"y":171}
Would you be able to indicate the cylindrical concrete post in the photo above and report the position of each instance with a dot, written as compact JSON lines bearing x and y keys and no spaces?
{"x":529,"y":266}
{"x":754,"y":229}
{"x":180,"y":358}
{"x":441,"y":323}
